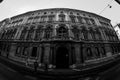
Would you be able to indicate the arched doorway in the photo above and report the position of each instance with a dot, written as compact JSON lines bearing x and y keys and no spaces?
{"x":62,"y":58}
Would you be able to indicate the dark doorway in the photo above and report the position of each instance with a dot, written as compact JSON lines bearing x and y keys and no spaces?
{"x":62,"y":58}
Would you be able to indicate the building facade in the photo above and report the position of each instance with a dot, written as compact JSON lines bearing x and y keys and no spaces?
{"x":59,"y":37}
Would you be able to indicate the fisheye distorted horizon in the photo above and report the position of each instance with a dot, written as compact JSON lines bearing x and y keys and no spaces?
{"x":11,"y":8}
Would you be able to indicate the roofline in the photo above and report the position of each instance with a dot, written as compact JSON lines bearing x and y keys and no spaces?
{"x":60,"y":9}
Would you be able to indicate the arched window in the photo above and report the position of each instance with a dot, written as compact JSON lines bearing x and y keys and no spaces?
{"x":23,"y":33}
{"x":8,"y":34}
{"x":25,"y":51}
{"x":97,"y":53}
{"x":61,"y":17}
{"x":76,"y":32}
{"x":18,"y":51}
{"x":84,"y":33}
{"x":92,"y":21}
{"x":51,"y":18}
{"x":12,"y":33}
{"x":43,"y":18}
{"x":92,"y":32}
{"x":87,"y":20}
{"x":89,"y":53}
{"x":39,"y":32}
{"x":4,"y":35}
{"x":48,"y":32}
{"x":98,"y":34}
{"x":113,"y":50}
{"x":102,"y":50}
{"x":30,"y":33}
{"x":80,"y":19}
{"x":62,"y":32}
{"x":72,"y":18}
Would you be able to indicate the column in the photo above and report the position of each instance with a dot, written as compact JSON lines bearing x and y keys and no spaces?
{"x":18,"y":33}
{"x":77,"y":53}
{"x":70,"y":32}
{"x":42,"y":36}
{"x":34,"y":33}
{"x":39,"y":53}
{"x":54,"y":34}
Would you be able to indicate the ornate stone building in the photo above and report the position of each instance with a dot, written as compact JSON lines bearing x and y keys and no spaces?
{"x":59,"y":37}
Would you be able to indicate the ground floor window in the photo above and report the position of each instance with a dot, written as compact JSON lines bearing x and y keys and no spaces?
{"x":34,"y":52}
{"x":18,"y":51}
{"x":97,"y":53}
{"x":25,"y":51}
{"x":89,"y":53}
{"x":103,"y":51}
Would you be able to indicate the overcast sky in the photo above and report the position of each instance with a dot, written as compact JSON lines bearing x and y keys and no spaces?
{"x":9,"y":8}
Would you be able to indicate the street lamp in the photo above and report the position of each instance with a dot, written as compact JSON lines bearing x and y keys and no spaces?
{"x":1,"y":1}
{"x":118,"y":1}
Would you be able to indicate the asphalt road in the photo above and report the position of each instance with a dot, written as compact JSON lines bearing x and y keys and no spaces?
{"x":7,"y":73}
{"x":112,"y":74}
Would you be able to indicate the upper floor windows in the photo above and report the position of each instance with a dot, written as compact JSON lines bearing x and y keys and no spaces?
{"x":30,"y":33}
{"x":9,"y":34}
{"x":62,"y":32}
{"x":51,"y":18}
{"x":48,"y":32}
{"x":39,"y":32}
{"x":61,"y":17}
{"x":43,"y":18}
{"x":87,"y":20}
{"x":23,"y":33}
{"x":76,"y":33}
{"x":84,"y":33}
{"x":72,"y":18}
{"x":104,"y":23}
{"x":92,"y":21}
{"x":80,"y":19}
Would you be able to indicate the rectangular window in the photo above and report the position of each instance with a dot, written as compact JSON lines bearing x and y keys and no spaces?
{"x":18,"y":51}
{"x":25,"y":51}
{"x":34,"y":52}
{"x":51,"y":18}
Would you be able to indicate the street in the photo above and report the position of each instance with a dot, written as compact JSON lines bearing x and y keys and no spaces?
{"x":7,"y":73}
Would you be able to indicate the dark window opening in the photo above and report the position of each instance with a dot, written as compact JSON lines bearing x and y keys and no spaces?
{"x":34,"y":52}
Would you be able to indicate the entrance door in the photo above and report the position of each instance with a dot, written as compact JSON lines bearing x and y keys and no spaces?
{"x":62,"y":58}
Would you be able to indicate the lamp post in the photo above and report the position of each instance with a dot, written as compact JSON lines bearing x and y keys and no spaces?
{"x":118,"y":1}
{"x":1,"y":1}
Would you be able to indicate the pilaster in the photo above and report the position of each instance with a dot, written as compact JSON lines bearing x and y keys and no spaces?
{"x":77,"y":53}
{"x":47,"y":53}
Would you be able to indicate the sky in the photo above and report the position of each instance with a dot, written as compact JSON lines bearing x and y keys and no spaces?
{"x":9,"y":8}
